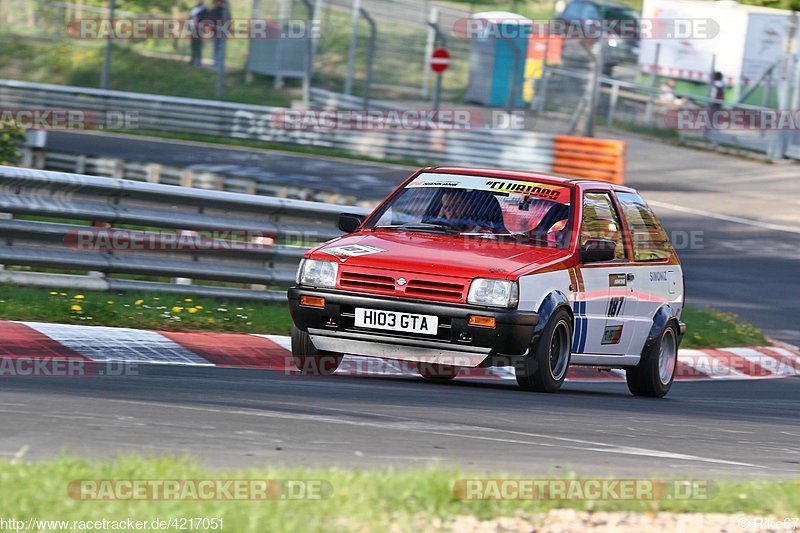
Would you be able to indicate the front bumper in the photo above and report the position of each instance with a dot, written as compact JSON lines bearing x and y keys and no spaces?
{"x":456,"y":342}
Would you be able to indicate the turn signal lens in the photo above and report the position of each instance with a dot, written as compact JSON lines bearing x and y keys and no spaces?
{"x":483,"y":321}
{"x":312,"y":301}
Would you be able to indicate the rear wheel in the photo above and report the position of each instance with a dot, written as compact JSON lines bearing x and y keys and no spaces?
{"x":654,"y":374}
{"x":308,"y":359}
{"x":435,"y":372}
{"x":545,"y":367}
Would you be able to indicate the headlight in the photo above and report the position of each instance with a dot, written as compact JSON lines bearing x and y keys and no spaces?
{"x":317,"y":273}
{"x":494,"y":292}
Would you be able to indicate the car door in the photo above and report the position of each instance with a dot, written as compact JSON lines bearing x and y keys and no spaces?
{"x":657,"y":276}
{"x":604,"y":312}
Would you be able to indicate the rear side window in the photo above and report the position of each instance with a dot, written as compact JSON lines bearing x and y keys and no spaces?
{"x":650,"y":241}
{"x":600,"y":221}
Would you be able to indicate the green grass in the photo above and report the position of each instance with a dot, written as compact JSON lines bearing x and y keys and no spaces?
{"x":357,"y":500}
{"x":80,"y":63}
{"x":705,"y":327}
{"x":143,"y":310}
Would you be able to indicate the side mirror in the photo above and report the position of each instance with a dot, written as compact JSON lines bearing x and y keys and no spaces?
{"x":598,"y":251}
{"x":349,"y":223}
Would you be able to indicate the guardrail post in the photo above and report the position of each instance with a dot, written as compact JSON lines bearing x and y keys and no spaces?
{"x":153,"y":173}
{"x":118,"y":169}
{"x":80,"y":164}
{"x":187,"y":178}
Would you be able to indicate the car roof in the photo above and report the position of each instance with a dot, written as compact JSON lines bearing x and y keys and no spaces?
{"x":555,"y":179}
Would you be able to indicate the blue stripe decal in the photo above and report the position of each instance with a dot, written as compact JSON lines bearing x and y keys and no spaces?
{"x":584,"y":327}
{"x":576,"y":334}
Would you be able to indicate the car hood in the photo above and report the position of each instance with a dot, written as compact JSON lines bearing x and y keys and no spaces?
{"x":451,"y":255}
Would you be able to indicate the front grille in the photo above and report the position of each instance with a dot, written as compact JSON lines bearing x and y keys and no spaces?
{"x":436,"y":289}
{"x":415,"y":287}
{"x":357,"y":280}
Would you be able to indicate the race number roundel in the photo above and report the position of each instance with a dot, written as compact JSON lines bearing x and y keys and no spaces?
{"x":440,"y":60}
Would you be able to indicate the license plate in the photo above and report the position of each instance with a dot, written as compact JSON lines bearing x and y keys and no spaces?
{"x":394,"y":321}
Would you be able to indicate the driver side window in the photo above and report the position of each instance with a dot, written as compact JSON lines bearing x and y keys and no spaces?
{"x":601,"y":221}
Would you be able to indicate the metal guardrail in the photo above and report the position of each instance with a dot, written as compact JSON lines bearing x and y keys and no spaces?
{"x":271,"y":234}
{"x":524,"y":150}
{"x":157,"y":173}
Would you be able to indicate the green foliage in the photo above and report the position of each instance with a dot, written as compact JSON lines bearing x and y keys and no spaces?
{"x":11,"y":138}
{"x":792,"y":5}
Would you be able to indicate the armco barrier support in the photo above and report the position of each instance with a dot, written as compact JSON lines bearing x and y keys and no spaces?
{"x":597,"y":159}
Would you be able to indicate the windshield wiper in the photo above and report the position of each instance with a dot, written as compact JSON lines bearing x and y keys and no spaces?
{"x":422,"y":226}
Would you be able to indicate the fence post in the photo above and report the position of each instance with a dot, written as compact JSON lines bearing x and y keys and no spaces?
{"x":351,"y":51}
{"x":373,"y":31}
{"x":612,"y":105}
{"x":648,"y":113}
{"x":104,"y":78}
{"x":430,"y":41}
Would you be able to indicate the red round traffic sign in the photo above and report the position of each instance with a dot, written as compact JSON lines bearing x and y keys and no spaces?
{"x":440,"y":60}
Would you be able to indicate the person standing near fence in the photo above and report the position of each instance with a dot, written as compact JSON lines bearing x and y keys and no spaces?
{"x":717,"y":91}
{"x":217,"y":16}
{"x":196,"y":14}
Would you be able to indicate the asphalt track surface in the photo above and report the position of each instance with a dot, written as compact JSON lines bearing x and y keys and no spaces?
{"x":238,"y":417}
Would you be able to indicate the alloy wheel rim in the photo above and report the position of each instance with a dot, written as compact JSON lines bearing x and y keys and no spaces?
{"x":667,"y":356}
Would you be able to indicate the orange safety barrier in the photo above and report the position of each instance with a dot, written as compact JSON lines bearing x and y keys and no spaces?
{"x":586,"y":157}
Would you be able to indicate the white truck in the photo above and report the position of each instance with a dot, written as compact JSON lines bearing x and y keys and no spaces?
{"x":749,"y":40}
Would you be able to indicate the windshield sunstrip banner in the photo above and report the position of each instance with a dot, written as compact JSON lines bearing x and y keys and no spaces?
{"x":534,"y":189}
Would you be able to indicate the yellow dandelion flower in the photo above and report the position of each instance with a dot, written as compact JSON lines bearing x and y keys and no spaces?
{"x":76,"y":307}
{"x":138,"y":302}
{"x":63,"y":293}
{"x":187,"y":300}
{"x":156,"y":298}
{"x":110,"y":302}
{"x":177,"y":309}
{"x":78,"y":296}
{"x":198,"y":306}
{"x":53,"y":293}
{"x":192,"y":310}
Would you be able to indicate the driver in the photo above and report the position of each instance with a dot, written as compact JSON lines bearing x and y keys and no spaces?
{"x":469,"y":211}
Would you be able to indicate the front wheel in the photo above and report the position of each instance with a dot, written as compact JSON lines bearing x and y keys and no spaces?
{"x":308,"y":359}
{"x":654,"y":374}
{"x":545,"y":367}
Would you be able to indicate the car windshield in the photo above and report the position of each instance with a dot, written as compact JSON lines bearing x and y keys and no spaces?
{"x":532,"y":212}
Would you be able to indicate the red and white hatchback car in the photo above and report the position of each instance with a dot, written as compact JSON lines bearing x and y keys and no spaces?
{"x":473,"y":268}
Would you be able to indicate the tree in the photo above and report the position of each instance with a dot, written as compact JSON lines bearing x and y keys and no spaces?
{"x":791,"y":5}
{"x":11,"y":138}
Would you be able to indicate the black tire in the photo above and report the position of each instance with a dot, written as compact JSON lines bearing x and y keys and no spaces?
{"x":309,"y":360}
{"x":654,"y":374}
{"x":545,"y":367}
{"x":436,"y":372}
